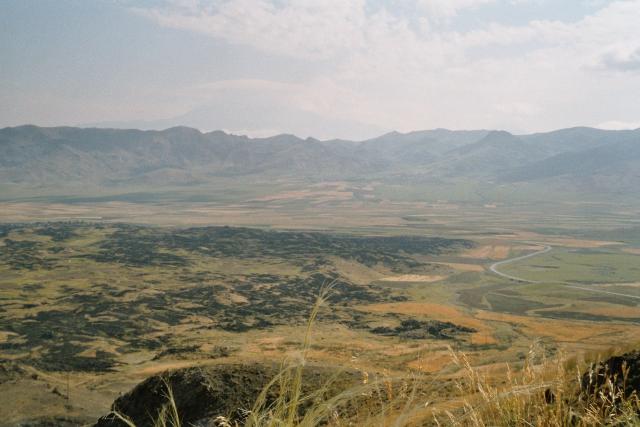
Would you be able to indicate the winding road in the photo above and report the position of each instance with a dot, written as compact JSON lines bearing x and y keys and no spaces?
{"x":546,"y":249}
{"x":495,"y":265}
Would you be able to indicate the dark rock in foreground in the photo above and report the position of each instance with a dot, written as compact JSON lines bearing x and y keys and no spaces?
{"x":623,"y":371}
{"x":201,"y":394}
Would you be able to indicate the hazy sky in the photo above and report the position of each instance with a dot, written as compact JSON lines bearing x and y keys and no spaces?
{"x":327,"y":68}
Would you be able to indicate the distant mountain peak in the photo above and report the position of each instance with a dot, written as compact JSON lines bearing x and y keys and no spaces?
{"x":60,"y":157}
{"x":499,"y":133}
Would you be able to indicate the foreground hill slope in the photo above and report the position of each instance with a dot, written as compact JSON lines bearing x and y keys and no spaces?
{"x":224,"y":395}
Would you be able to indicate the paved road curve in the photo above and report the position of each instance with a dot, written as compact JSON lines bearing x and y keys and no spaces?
{"x":495,"y":265}
{"x":546,"y":249}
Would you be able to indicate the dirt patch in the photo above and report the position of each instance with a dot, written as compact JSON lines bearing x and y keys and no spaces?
{"x":402,"y":349}
{"x":578,"y":243}
{"x":238,"y":299}
{"x":416,"y":308}
{"x":161,"y":367}
{"x":431,"y":363}
{"x":4,"y":336}
{"x":307,"y":194}
{"x":462,"y":267}
{"x":485,"y":337}
{"x":528,"y":248}
{"x":631,"y":285}
{"x":561,"y":330}
{"x":564,"y":241}
{"x":488,"y":252}
{"x":417,"y":278}
{"x":355,"y":271}
{"x":635,"y":251}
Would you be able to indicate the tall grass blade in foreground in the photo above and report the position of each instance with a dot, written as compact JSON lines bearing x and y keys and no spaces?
{"x":542,"y":392}
{"x":285,"y":410}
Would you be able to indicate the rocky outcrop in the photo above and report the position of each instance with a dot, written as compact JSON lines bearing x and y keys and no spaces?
{"x":623,"y":371}
{"x":202,"y":394}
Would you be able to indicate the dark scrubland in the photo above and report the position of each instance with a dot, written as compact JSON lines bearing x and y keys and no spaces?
{"x":110,"y":304}
{"x":134,"y":246}
{"x":52,"y":322}
{"x":416,"y":329}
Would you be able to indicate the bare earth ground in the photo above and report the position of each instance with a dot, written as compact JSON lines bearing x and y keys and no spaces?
{"x":165,"y":322}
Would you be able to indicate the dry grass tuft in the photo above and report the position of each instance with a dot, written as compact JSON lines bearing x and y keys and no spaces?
{"x":541,"y":392}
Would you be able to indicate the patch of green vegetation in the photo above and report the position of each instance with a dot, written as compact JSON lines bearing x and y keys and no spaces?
{"x":612,"y":299}
{"x":578,"y":315}
{"x":578,"y":266}
{"x":504,"y":303}
{"x":628,"y":234}
{"x":474,"y":297}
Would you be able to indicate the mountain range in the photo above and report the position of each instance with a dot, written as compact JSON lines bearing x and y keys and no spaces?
{"x":575,"y":160}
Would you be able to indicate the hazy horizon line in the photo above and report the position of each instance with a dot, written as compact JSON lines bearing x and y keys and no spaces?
{"x":275,"y":135}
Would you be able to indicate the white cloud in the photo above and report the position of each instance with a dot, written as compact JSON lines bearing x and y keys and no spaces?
{"x":305,"y":28}
{"x":399,"y":72}
{"x":622,"y":57}
{"x":438,"y":9}
{"x":618,"y":125}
